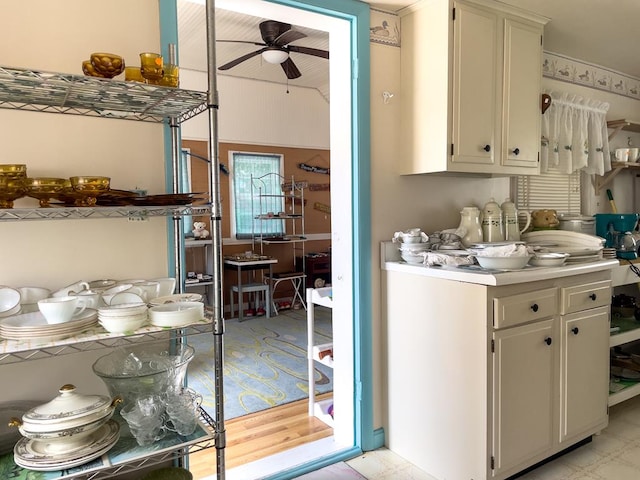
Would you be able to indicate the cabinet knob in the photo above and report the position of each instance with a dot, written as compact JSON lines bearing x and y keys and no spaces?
{"x":548,"y":341}
{"x":516,"y":151}
{"x":575,"y":330}
{"x":593,"y":297}
{"x":487,"y":148}
{"x":535,"y":307}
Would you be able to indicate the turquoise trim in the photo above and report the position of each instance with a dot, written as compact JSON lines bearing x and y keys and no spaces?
{"x":358,"y":14}
{"x":168,"y":10}
{"x":378,"y":439}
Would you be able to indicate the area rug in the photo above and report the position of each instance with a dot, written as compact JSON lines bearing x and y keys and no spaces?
{"x":265,"y":362}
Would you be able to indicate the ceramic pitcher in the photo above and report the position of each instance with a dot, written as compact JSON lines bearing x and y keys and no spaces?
{"x":510,"y":215}
{"x":470,"y":222}
{"x":492,"y":229}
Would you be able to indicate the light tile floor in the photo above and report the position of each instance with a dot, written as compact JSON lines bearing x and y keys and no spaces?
{"x":612,"y":455}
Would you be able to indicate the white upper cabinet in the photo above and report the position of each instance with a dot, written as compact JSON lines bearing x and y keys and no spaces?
{"x":471,"y":83}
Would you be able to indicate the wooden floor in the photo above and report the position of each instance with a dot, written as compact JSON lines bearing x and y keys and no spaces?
{"x":262,"y":434}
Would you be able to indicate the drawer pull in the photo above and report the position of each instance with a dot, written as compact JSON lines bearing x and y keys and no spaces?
{"x":487,"y":148}
{"x":535,"y":307}
{"x":575,"y":330}
{"x":548,"y":341}
{"x":593,"y":297}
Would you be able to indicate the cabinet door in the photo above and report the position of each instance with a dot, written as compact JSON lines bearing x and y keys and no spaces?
{"x":474,"y":86}
{"x":523,"y":380}
{"x":584,"y":372}
{"x":521,"y":94}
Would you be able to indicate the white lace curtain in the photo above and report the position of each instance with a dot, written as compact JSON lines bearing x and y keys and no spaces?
{"x":574,"y":135}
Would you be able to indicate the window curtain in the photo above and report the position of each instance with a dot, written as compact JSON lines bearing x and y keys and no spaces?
{"x":574,"y":135}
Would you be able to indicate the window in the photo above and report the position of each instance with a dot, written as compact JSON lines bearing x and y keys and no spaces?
{"x":553,"y":190}
{"x":253,"y":174}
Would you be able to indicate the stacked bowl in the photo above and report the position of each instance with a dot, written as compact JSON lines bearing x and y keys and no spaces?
{"x":123,"y":318}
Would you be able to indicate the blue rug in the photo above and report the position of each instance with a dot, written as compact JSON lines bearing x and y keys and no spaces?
{"x":265,"y":362}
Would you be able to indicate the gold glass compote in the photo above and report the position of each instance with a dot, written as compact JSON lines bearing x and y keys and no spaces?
{"x":45,"y":188}
{"x":89,"y":188}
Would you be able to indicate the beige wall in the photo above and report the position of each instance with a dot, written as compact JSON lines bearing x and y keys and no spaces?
{"x":58,"y":36}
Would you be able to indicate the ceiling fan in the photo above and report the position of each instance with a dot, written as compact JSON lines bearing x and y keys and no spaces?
{"x":277,"y":37}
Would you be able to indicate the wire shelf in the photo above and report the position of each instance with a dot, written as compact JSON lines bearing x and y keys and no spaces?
{"x":98,"y":97}
{"x":70,"y":213}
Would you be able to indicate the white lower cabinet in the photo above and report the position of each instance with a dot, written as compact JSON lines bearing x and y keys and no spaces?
{"x":525,"y":365}
{"x":584,"y":372}
{"x":502,"y":376}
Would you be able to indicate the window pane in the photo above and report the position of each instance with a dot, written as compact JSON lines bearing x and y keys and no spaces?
{"x":254,"y":175}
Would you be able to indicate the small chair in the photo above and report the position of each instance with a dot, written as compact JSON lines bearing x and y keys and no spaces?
{"x":249,"y":288}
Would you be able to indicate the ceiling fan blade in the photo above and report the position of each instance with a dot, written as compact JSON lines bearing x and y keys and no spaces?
{"x":241,"y":59}
{"x":243,"y":41}
{"x":290,"y":69}
{"x":270,"y":30}
{"x":288,"y":37}
{"x":309,"y":51}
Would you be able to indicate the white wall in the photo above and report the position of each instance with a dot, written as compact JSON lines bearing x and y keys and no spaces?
{"x":261,"y":113}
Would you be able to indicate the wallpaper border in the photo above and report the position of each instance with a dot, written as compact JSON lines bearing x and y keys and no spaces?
{"x":571,"y":70}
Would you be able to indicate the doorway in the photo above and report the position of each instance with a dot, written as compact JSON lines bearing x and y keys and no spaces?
{"x":347,"y":24}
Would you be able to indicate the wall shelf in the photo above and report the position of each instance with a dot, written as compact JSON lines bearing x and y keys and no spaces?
{"x":600,"y":182}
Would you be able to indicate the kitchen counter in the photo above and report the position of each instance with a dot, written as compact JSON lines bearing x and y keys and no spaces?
{"x":391,"y":261}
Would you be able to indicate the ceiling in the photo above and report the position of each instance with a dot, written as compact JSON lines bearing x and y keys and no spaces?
{"x":237,"y":26}
{"x":594,"y":31}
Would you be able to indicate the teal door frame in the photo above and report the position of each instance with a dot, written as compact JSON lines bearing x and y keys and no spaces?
{"x":357,"y":14}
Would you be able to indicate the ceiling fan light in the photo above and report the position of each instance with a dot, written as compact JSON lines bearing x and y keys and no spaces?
{"x":275,"y":56}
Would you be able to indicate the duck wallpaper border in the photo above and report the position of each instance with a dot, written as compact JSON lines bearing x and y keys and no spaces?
{"x":385,"y":28}
{"x":575,"y":71}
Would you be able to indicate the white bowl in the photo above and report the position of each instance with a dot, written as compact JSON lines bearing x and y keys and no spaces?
{"x":412,"y":257}
{"x":503,"y":263}
{"x":550,"y":259}
{"x":9,"y":299}
{"x":123,"y":324}
{"x":30,"y":295}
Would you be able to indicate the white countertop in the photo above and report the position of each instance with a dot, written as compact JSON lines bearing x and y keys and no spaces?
{"x":391,"y":261}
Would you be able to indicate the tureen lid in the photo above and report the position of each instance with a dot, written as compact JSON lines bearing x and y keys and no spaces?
{"x":68,"y":405}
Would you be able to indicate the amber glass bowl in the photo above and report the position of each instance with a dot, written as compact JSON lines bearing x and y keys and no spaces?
{"x":90,"y":187}
{"x":11,"y":188}
{"x":13,"y":170}
{"x":45,"y":188}
{"x":89,"y":70}
{"x":107,"y":64}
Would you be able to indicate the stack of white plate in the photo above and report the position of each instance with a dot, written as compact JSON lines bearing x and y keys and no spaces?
{"x":33,"y":326}
{"x":581,"y":247}
{"x":46,"y":456}
{"x":123,"y":318}
{"x":179,"y":314}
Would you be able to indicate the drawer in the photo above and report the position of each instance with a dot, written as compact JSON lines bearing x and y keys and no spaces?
{"x":525,"y":307}
{"x":585,"y":296}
